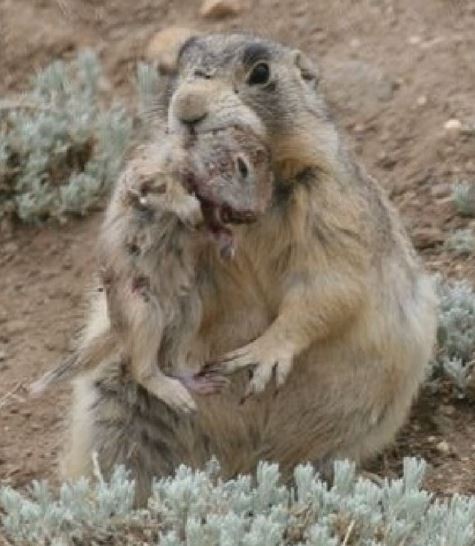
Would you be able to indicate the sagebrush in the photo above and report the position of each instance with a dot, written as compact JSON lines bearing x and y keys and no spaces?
{"x":463,"y":196}
{"x":61,"y":144}
{"x":461,"y":242}
{"x":197,"y":508}
{"x":455,"y":354}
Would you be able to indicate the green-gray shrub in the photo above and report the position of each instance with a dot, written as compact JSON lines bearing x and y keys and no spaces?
{"x":462,"y":242}
{"x":197,"y":508}
{"x":463,"y":196}
{"x":60,"y":145}
{"x":455,"y":334}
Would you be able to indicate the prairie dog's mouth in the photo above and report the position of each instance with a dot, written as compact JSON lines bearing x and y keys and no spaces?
{"x":220,"y":233}
{"x":221,"y":213}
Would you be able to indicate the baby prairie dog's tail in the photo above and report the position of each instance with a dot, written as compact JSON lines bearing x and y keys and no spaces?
{"x":82,"y":359}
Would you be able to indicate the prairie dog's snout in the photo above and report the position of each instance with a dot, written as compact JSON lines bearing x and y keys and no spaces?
{"x":202,"y":105}
{"x":190,"y":106}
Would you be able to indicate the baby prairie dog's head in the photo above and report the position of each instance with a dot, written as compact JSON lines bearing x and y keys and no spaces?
{"x":211,"y":181}
{"x":238,"y":80}
{"x":229,"y":171}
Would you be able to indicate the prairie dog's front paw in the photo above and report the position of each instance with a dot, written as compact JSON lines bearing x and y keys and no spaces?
{"x":265,"y":363}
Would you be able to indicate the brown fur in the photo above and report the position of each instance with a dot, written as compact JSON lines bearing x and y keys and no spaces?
{"x":325,"y":295}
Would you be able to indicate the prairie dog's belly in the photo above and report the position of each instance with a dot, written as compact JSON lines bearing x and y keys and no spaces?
{"x":237,"y":308}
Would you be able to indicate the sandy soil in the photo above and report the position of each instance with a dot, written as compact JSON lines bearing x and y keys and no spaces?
{"x":395,"y":72}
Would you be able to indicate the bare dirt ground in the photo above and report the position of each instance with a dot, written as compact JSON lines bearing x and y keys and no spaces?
{"x":395,"y":72}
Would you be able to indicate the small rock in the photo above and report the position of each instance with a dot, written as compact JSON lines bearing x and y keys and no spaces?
{"x":217,"y":9}
{"x":440,"y":190}
{"x":163,"y":47}
{"x":427,"y":237}
{"x":15,"y":327}
{"x":443,"y":447}
{"x":453,"y":127}
{"x":422,"y":100}
{"x":3,"y":355}
{"x":414,"y":40}
{"x":355,"y":43}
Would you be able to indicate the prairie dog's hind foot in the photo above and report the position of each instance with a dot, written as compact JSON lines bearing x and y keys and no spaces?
{"x":171,"y":391}
{"x":204,"y":383}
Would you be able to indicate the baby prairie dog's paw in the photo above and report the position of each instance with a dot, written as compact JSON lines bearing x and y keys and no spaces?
{"x":263,"y":359}
{"x":173,"y":393}
{"x":190,"y":212}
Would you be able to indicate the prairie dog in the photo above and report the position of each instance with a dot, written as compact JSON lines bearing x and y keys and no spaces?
{"x":151,"y":239}
{"x":325,"y":300}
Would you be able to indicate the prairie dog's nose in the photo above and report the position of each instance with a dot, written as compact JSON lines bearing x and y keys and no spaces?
{"x":191,"y":106}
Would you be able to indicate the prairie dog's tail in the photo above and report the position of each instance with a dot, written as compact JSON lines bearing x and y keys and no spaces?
{"x":83,"y":359}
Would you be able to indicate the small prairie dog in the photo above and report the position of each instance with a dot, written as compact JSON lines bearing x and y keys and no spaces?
{"x":153,"y":233}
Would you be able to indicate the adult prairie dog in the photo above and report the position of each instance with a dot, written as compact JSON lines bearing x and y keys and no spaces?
{"x":325,"y":300}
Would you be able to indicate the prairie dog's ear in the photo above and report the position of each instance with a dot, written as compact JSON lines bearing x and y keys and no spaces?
{"x":308,"y":71}
{"x":164,"y":48}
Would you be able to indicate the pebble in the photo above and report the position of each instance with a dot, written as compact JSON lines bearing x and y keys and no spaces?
{"x":422,"y":100}
{"x":427,"y":237}
{"x":3,"y":355}
{"x":440,"y":190}
{"x":163,"y":47}
{"x":414,"y":40}
{"x":15,"y":326}
{"x":217,"y":9}
{"x":453,"y":127}
{"x":443,"y":447}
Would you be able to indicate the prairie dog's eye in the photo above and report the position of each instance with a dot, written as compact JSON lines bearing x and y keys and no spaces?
{"x":259,"y":75}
